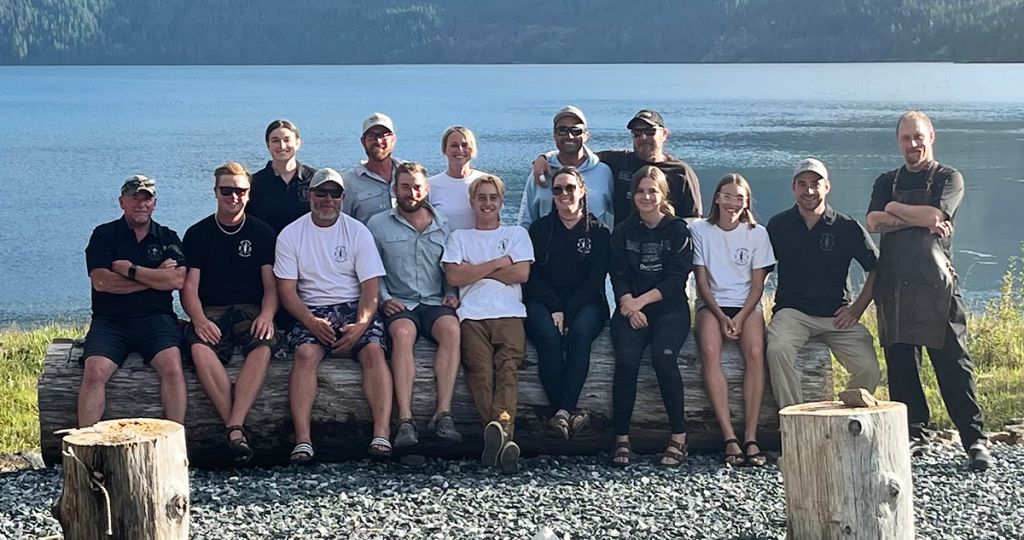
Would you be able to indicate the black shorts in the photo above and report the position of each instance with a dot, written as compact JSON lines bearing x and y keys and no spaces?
{"x":424,"y":317}
{"x":114,"y":338}
{"x":235,"y":323}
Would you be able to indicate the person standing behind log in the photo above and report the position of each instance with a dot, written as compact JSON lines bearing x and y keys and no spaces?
{"x":280,"y":191}
{"x":815,"y":244}
{"x":651,"y":257}
{"x":489,"y":264}
{"x":231,"y":297}
{"x":416,"y":300}
{"x":566,"y":306}
{"x":369,"y":183}
{"x":328,"y":272}
{"x":917,"y":293}
{"x":134,"y":263}
{"x":732,"y":256}
{"x":449,"y":191}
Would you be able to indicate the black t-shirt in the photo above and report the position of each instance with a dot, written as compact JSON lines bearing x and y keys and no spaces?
{"x":683,"y":184}
{"x":814,"y":265}
{"x":230,"y":263}
{"x":947,"y":192}
{"x":570,"y":264}
{"x":114,"y":241}
{"x":276,"y":202}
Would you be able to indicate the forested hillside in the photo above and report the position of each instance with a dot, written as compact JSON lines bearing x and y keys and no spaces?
{"x":504,"y":31}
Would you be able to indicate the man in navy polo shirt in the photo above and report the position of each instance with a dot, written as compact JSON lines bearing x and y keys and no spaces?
{"x":134,"y":263}
{"x":814,"y":245}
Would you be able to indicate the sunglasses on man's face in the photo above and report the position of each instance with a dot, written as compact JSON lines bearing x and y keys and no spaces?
{"x":575,"y":131}
{"x":320,"y":193}
{"x":557,"y":191}
{"x":650,"y":132}
{"x":227,"y":191}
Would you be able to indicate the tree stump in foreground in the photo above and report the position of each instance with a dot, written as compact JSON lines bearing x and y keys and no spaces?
{"x":125,"y":479}
{"x":846,"y":471}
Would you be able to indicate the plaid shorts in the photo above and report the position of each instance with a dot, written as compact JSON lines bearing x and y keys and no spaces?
{"x":339,"y":315}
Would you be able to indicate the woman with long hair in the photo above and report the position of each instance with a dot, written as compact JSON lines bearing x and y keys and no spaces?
{"x":651,"y":258}
{"x":732,"y":256}
{"x":565,"y":302}
{"x":280,"y":190}
{"x":449,"y":191}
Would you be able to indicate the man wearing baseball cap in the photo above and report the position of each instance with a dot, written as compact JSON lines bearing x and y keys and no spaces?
{"x":814,"y":245}
{"x":649,"y":133}
{"x":328,"y":276}
{"x":571,"y":135}
{"x":134,"y":263}
{"x":368,"y":185}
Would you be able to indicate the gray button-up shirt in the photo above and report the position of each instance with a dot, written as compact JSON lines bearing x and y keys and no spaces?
{"x":366,"y":193}
{"x":412,"y":258}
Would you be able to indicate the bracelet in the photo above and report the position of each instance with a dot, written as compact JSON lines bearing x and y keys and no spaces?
{"x":131,"y":272}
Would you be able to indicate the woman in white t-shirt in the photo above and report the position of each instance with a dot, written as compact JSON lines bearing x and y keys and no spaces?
{"x":732,"y":256}
{"x":449,"y":191}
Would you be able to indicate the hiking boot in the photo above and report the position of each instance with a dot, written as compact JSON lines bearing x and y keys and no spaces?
{"x":444,"y":428}
{"x":406,"y":435}
{"x":978,"y":457}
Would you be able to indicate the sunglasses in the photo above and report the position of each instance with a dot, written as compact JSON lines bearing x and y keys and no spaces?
{"x":650,"y":132}
{"x":557,"y":191}
{"x":575,"y":131}
{"x":227,"y":191}
{"x":332,"y":193}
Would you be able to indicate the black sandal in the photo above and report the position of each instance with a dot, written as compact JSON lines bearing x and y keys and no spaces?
{"x":241,"y":452}
{"x":621,"y":454}
{"x":733,"y":459}
{"x":676,"y":450}
{"x":754,"y":460}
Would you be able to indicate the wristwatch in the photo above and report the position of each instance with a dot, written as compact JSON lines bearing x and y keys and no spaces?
{"x":131,"y":272}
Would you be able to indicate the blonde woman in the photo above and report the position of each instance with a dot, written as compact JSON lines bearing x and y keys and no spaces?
{"x":449,"y":191}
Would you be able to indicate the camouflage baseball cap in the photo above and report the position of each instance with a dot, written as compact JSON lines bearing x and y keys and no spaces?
{"x":136,"y":183}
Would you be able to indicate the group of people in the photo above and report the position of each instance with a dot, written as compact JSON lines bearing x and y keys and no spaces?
{"x":366,"y":262}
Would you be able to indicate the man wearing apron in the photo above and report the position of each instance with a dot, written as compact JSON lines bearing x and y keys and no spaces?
{"x":917,"y":291}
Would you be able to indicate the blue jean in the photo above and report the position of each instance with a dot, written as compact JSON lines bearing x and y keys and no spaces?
{"x":563,"y":361}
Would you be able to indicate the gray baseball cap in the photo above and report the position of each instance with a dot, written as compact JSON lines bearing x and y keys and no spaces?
{"x":325,"y":175}
{"x":570,"y":110}
{"x":812,"y":165}
{"x":378,"y":119}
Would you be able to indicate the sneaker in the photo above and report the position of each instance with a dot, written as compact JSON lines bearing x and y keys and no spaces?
{"x":494,"y":440}
{"x":406,"y":435}
{"x":444,"y":428}
{"x":509,"y":458}
{"x":979,"y":459}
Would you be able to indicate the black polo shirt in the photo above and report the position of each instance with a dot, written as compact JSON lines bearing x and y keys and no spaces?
{"x":116,"y":240}
{"x":276,"y":202}
{"x":814,"y":265}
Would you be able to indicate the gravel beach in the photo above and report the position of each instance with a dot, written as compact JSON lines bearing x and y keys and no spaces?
{"x":577,"y":497}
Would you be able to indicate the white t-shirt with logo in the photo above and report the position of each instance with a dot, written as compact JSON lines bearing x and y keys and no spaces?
{"x":489,"y":298}
{"x":450,"y":196}
{"x":329,"y":263}
{"x":730,"y":257}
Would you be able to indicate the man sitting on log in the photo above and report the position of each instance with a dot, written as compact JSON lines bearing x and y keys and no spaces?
{"x":814,"y":245}
{"x":134,"y":263}
{"x":415,"y":299}
{"x":328,"y":272}
{"x":231,"y":296}
{"x":489,"y":264}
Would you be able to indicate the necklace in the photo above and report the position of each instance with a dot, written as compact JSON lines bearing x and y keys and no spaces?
{"x":225,"y":231}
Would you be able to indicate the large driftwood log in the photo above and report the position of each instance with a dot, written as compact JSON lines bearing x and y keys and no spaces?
{"x":341,"y":420}
{"x":125,"y":479}
{"x":846,"y":471}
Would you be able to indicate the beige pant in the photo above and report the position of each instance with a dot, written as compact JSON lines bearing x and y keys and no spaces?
{"x":492,"y":351}
{"x":789,"y":331}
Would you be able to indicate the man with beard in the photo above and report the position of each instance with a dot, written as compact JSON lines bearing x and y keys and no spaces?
{"x":571,"y":135}
{"x":328,"y":272}
{"x":814,"y":245}
{"x":369,"y":183}
{"x":917,"y":293}
{"x":134,"y":263}
{"x":649,"y":133}
{"x":415,"y":299}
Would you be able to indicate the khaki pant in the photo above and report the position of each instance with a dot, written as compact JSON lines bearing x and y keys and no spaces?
{"x":492,"y":351}
{"x":789,"y":331}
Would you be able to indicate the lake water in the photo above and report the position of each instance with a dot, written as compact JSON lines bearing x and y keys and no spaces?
{"x":72,"y":134}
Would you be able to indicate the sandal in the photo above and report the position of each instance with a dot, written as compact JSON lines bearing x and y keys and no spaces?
{"x":560,"y":423}
{"x":733,"y":459}
{"x":406,"y":434}
{"x":241,"y":452}
{"x":380,"y":448}
{"x":302,"y":454}
{"x":444,"y":427}
{"x":621,"y":454}
{"x":675,"y":451}
{"x":754,"y":460}
{"x":578,"y":420}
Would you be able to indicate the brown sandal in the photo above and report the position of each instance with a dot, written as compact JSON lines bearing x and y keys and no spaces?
{"x":733,"y":459}
{"x":621,"y":454}
{"x":675,"y":451}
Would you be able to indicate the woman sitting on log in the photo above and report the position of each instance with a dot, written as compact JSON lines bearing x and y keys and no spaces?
{"x":650,"y":259}
{"x":732,"y":257}
{"x":565,"y":302}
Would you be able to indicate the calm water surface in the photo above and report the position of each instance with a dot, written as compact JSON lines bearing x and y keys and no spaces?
{"x":72,"y":134}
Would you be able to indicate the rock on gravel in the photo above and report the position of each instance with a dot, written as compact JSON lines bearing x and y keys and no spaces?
{"x":576,"y":497}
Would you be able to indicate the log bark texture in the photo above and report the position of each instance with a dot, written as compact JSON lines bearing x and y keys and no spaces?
{"x":130,"y":475}
{"x":846,"y":471}
{"x":341,"y":419}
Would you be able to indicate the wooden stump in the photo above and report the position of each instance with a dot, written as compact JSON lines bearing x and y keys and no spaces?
{"x":846,"y":471}
{"x":125,"y":479}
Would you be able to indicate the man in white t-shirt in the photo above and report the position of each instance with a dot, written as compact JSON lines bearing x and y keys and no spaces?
{"x":489,"y":264}
{"x":328,"y":272}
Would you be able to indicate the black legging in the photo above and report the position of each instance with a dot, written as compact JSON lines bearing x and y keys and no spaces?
{"x":666,"y":330}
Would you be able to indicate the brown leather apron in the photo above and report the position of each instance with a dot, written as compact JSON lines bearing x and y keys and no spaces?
{"x":915,"y":279}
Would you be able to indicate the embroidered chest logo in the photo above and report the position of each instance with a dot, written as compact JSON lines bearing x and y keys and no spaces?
{"x":503,"y":246}
{"x":827,"y":242}
{"x":741,"y":257}
{"x":583,"y":246}
{"x":341,"y":254}
{"x":244,"y":248}
{"x":154,"y":251}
